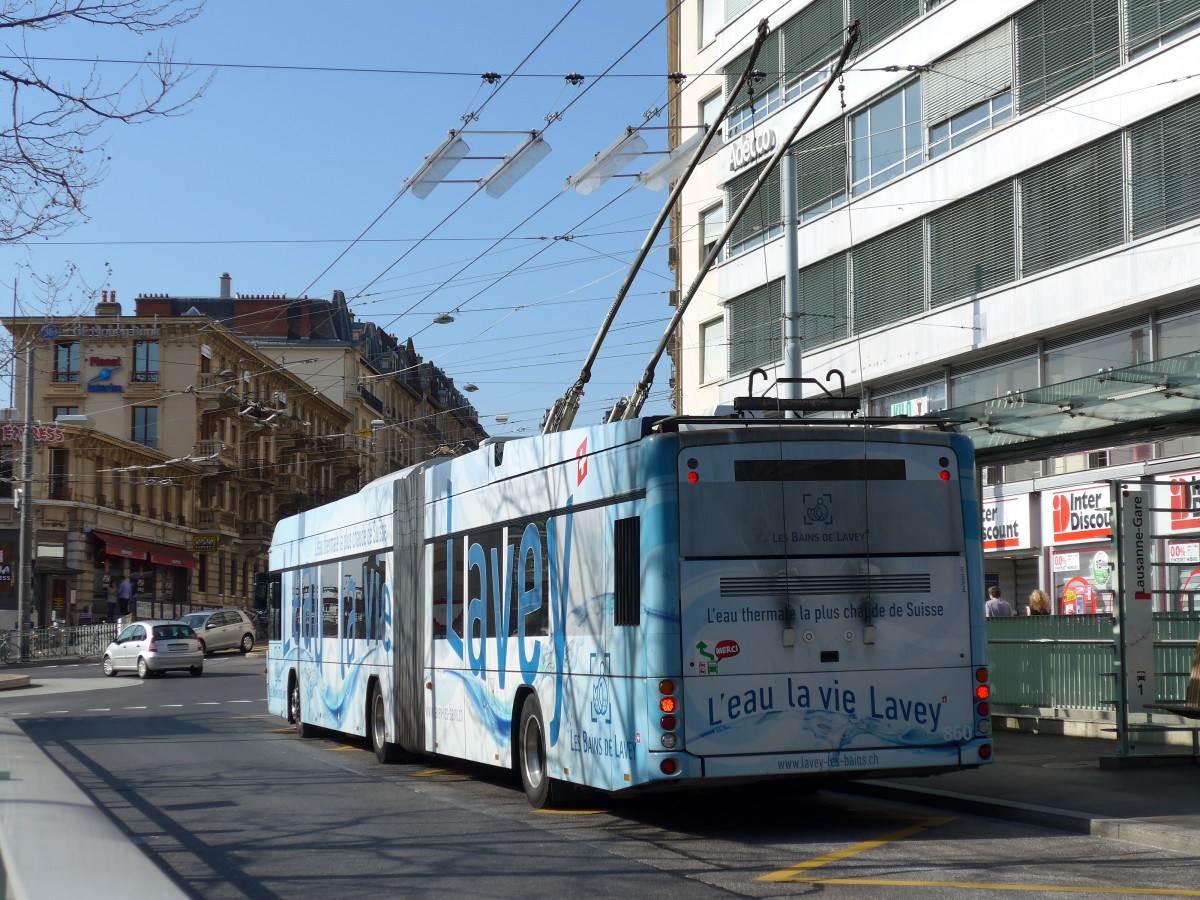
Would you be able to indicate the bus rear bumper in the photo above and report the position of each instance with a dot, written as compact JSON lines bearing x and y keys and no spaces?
{"x":853,"y":763}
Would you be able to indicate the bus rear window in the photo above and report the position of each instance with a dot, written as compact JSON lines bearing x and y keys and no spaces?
{"x":819,"y":470}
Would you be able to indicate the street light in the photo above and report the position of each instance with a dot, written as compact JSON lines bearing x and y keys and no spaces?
{"x":608,"y":162}
{"x":516,"y":165}
{"x":669,"y":168}
{"x":437,"y":165}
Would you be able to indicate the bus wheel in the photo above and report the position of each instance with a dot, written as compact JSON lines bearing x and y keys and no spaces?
{"x":384,"y":752}
{"x":531,"y":755}
{"x":302,"y":730}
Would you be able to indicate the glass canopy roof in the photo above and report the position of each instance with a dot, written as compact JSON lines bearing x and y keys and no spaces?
{"x":1151,"y":401}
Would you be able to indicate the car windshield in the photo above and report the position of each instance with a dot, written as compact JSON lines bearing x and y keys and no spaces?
{"x":173,"y":632}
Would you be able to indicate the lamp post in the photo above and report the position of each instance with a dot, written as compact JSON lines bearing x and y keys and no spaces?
{"x":25,"y":570}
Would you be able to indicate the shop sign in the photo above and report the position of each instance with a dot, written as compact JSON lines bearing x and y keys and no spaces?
{"x":1186,"y":552}
{"x":1080,"y":514}
{"x":1006,"y":523}
{"x":1064,"y":562}
{"x":42,"y":434}
{"x":205,"y":543}
{"x":101,"y":382}
{"x":751,"y":147}
{"x":918,"y":406}
{"x":1184,"y":502}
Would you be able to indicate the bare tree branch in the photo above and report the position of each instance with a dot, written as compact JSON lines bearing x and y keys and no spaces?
{"x":51,"y":149}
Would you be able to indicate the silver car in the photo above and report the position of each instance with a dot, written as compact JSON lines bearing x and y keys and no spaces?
{"x":153,"y":646}
{"x":222,"y":629}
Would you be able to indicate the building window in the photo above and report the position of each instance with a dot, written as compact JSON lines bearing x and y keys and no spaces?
{"x":711,"y":21}
{"x":879,"y":19}
{"x":995,"y":381}
{"x":1179,"y":335}
{"x":959,"y":129}
{"x":762,"y":220}
{"x":65,"y":411}
{"x":758,"y":99}
{"x":1117,"y":350}
{"x":712,"y":222}
{"x":811,"y":41}
{"x":1063,"y":43}
{"x":1152,"y":23}
{"x":66,"y":362}
{"x":917,"y":400}
{"x":145,"y":426}
{"x":712,"y":351}
{"x":755,"y":328}
{"x":1165,"y":153}
{"x":971,"y":245}
{"x":59,"y":489}
{"x":7,"y":470}
{"x":821,"y":170}
{"x":822,"y":289}
{"x":145,"y":362}
{"x":889,"y":278}
{"x":1072,"y":206}
{"x":886,"y":139}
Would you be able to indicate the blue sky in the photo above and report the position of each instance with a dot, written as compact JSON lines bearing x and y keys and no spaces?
{"x":284,"y":161}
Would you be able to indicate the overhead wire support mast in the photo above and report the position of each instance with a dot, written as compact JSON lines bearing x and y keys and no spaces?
{"x":562,"y":414}
{"x":631,"y":407}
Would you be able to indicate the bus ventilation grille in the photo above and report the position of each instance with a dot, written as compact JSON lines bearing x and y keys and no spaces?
{"x":803,"y":585}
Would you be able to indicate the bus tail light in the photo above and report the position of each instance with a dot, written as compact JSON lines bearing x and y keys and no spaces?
{"x":668,"y":767}
{"x":667,"y":704}
{"x":668,"y":723}
{"x":982,"y":692}
{"x":985,"y":751}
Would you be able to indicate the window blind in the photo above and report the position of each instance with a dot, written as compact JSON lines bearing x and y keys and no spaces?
{"x":972,"y":74}
{"x":1166,"y":168}
{"x":889,"y":278}
{"x":1150,"y":20}
{"x":1062,"y":44}
{"x":1072,"y":206}
{"x":822,"y":290}
{"x":755,"y":328}
{"x":878,"y":19}
{"x":811,"y":38}
{"x":820,"y":165}
{"x":763,"y":212}
{"x":971,"y":245}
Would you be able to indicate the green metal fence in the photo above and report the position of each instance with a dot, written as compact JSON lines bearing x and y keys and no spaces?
{"x":1069,"y":662}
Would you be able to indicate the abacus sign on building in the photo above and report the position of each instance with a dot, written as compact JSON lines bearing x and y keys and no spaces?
{"x":1080,"y":514}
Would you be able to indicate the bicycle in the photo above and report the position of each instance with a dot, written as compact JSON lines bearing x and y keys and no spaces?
{"x":9,"y":651}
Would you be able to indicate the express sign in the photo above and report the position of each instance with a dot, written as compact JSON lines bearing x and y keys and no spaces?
{"x":1080,"y":514}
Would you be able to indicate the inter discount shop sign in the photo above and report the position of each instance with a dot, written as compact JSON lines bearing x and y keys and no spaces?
{"x":1080,"y":514}
{"x":1006,"y":524}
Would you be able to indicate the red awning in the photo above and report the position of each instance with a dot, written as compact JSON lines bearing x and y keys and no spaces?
{"x":132,"y":548}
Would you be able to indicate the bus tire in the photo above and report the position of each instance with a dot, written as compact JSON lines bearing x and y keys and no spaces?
{"x":540,"y":788}
{"x":294,"y":711}
{"x":385,"y":751}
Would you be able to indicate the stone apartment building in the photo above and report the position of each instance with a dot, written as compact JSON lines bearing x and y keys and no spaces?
{"x":166,"y":444}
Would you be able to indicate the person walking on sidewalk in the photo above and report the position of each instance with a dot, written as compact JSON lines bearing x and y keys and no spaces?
{"x":996,"y":607}
{"x":124,"y":594}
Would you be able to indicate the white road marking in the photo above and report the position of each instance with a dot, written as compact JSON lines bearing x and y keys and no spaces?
{"x":133,"y":707}
{"x":99,"y":709}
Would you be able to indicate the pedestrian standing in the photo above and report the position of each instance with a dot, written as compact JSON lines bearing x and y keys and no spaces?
{"x":996,"y":607}
{"x":1039,"y":603}
{"x":124,"y":594}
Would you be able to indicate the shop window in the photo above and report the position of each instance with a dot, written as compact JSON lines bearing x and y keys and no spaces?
{"x":995,"y":381}
{"x":1118,"y":350}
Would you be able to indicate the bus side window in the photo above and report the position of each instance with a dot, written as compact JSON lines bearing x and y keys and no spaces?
{"x":627,"y":571}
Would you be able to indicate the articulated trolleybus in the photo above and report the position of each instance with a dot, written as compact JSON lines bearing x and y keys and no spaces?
{"x":649,"y":603}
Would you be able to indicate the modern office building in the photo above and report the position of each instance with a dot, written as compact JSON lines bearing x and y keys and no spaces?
{"x":992,"y":199}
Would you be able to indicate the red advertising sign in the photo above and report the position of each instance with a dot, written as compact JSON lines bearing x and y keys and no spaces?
{"x":42,"y":434}
{"x":1185,"y":502}
{"x":1081,"y":514}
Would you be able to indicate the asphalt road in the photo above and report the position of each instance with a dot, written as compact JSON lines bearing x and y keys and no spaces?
{"x":226,"y":799}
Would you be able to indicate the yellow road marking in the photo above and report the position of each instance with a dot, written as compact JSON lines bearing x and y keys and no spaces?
{"x":571,"y":812}
{"x":283,"y":730}
{"x":263,"y":716}
{"x":794,"y":873}
{"x":1065,"y":888}
{"x":341,"y":749}
{"x":429,"y":772}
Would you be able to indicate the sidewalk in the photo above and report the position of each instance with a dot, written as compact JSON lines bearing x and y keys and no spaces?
{"x":1073,"y":784}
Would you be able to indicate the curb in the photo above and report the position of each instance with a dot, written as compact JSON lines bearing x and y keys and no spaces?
{"x":8,"y":682}
{"x":1157,"y":835}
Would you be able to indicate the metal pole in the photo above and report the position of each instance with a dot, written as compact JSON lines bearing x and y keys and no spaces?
{"x":25,"y":573}
{"x":792,"y":339}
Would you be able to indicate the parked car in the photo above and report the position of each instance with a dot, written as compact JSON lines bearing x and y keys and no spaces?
{"x":222,"y":629}
{"x":152,"y":646}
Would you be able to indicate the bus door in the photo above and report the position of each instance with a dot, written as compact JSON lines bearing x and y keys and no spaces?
{"x":823,"y":594}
